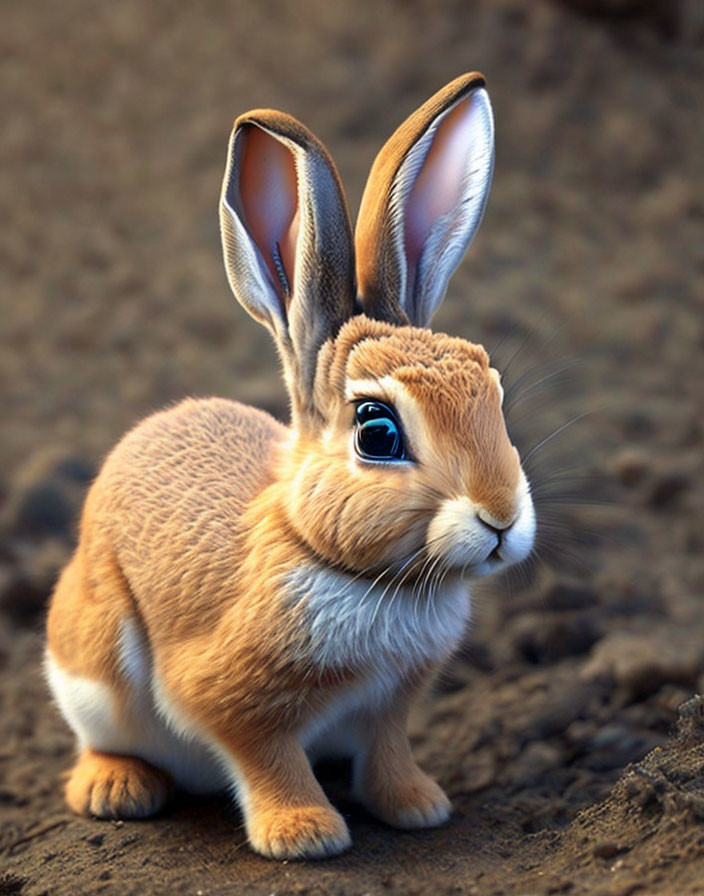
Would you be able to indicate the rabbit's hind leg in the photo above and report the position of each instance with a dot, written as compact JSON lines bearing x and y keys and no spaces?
{"x":108,"y":779}
{"x":108,"y":712}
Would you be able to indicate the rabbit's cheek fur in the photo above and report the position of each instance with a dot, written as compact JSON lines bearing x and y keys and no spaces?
{"x":360,"y":519}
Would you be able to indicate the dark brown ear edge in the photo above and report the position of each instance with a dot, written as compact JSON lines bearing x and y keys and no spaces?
{"x":279,"y":124}
{"x":284,"y":126}
{"x":412,"y":129}
{"x":371,"y":220}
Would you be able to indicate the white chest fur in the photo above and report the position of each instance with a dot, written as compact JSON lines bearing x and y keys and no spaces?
{"x":382,"y":632}
{"x":355,"y":623}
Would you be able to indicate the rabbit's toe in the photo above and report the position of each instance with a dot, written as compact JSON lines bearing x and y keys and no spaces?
{"x":110,"y":786}
{"x":312,"y":832}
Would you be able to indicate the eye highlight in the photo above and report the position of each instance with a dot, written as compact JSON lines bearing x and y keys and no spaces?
{"x":378,"y":433}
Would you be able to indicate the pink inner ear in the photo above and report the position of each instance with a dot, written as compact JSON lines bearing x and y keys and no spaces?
{"x":269,"y":193}
{"x":438,"y":185}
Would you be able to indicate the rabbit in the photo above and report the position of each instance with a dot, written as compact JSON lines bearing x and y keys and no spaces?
{"x":248,"y":597}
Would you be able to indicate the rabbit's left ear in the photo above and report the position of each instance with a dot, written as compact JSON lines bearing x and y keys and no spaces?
{"x":423,"y":203}
{"x":287,"y":240}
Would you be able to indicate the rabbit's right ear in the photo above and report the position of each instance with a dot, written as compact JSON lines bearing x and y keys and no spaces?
{"x":287,"y":240}
{"x":423,"y":203}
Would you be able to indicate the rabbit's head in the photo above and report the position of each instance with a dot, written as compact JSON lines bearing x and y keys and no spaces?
{"x":399,"y":454}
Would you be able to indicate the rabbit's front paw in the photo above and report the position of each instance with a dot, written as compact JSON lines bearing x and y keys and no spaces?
{"x":312,"y":832}
{"x":111,"y":786}
{"x":416,"y":803}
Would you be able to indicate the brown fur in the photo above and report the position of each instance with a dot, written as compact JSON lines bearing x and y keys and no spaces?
{"x":203,"y":511}
{"x":393,"y":786}
{"x":469,"y":452}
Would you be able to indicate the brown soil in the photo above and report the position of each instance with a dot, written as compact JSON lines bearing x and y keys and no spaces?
{"x":553,"y":731}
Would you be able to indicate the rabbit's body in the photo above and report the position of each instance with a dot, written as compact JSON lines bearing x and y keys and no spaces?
{"x":246,"y":597}
{"x":118,"y":671}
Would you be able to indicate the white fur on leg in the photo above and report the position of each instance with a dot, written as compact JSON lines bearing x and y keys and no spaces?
{"x":152,"y":728}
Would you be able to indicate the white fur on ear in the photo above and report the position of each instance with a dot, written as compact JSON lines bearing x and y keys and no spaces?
{"x":438,"y":199}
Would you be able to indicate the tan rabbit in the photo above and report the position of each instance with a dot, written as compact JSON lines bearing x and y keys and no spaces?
{"x":247,"y":597}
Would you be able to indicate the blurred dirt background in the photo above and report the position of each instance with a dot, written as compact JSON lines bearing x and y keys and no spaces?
{"x":557,"y":730}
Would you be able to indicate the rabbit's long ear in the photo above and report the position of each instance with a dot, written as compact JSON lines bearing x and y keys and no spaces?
{"x":287,"y":239}
{"x":423,"y":203}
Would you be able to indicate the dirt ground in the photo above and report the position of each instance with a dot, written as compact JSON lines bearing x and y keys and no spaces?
{"x":566,"y":731}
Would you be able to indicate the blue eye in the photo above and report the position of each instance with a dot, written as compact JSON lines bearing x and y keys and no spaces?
{"x":378,"y":433}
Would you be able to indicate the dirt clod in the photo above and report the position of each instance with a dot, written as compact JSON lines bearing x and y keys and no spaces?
{"x":641,"y":664}
{"x":667,"y":489}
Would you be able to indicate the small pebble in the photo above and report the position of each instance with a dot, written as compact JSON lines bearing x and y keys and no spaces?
{"x":667,"y":489}
{"x":631,"y":467}
{"x":607,"y":849}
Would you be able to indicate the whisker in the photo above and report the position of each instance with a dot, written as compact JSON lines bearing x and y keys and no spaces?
{"x":540,"y":346}
{"x":556,"y":433}
{"x":517,"y":396}
{"x":393,"y":579}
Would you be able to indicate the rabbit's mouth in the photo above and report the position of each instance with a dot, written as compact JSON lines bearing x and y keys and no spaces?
{"x":495,"y":555}
{"x":465,"y":537}
{"x":491,"y":564}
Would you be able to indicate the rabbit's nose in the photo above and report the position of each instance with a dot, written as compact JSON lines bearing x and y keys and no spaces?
{"x":496,"y":525}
